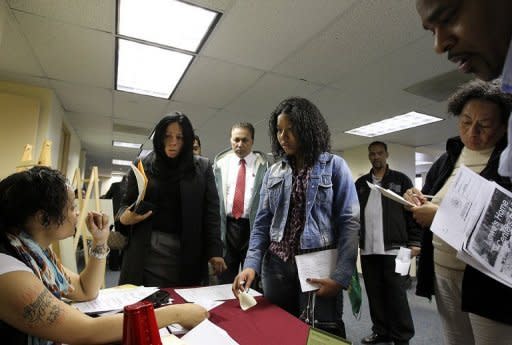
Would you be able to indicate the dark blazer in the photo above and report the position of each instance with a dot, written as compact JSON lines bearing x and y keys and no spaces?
{"x":200,"y":235}
{"x":481,"y":294}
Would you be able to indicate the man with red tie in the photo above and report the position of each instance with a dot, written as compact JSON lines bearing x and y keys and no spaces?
{"x":239,"y":173}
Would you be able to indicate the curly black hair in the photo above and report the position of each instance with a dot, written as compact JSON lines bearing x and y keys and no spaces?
{"x":309,"y":126}
{"x":481,"y":90}
{"x":24,"y":193}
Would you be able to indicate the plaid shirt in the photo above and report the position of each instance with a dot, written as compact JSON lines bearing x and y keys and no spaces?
{"x":289,"y":246}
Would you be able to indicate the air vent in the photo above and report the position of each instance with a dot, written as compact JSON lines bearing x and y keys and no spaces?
{"x":119,"y":128}
{"x":440,"y":87}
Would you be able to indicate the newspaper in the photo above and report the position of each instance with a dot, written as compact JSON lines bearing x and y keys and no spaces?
{"x":475,"y":218}
{"x":489,"y":242}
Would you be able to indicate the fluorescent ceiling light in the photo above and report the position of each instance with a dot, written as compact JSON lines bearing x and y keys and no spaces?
{"x":167,"y":22}
{"x":394,"y":124}
{"x":121,"y":162}
{"x":149,"y":70}
{"x":118,"y":173}
{"x":125,"y":144}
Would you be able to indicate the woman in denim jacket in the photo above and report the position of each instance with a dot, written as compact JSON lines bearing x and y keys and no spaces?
{"x":308,"y":202}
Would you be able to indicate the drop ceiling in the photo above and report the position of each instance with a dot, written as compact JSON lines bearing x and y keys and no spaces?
{"x":354,"y":59}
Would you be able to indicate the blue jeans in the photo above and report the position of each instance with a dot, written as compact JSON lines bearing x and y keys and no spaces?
{"x":281,"y":286}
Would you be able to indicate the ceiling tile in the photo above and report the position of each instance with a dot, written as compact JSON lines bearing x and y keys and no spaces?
{"x":23,"y":78}
{"x":70,"y":53}
{"x":83,"y":99}
{"x":262,"y":98}
{"x":17,"y":55}
{"x":96,"y":14}
{"x":136,"y":107}
{"x":214,"y":83}
{"x":88,"y":123}
{"x":197,"y":114}
{"x":263,"y":33}
{"x":364,"y":33}
{"x":403,"y":67}
{"x":216,"y":5}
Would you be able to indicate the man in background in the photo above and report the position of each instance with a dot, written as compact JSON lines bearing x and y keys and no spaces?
{"x":239,"y":173}
{"x":385,"y":227}
{"x":196,"y":145}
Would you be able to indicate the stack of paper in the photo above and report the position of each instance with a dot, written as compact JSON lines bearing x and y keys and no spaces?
{"x":115,"y":299}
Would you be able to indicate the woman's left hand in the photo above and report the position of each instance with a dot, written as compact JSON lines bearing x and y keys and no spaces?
{"x":218,"y":264}
{"x":328,"y":287}
{"x":97,"y":224}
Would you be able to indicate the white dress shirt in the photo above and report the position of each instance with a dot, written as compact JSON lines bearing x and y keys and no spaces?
{"x":250,"y":175}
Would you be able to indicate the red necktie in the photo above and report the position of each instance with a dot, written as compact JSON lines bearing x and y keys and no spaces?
{"x":238,"y":200}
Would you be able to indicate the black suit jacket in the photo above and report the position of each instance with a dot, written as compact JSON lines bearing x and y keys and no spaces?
{"x":200,"y":236}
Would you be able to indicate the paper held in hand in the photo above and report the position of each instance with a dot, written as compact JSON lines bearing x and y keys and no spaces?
{"x":475,"y":218}
{"x":388,"y":193}
{"x":142,"y":181}
{"x":318,"y":265}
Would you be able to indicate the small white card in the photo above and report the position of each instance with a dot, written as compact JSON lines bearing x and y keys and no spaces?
{"x":403,"y":261}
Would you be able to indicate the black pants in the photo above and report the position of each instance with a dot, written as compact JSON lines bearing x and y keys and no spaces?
{"x":387,"y":296}
{"x":237,"y":243}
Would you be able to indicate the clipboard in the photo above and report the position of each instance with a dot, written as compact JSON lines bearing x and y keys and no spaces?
{"x":390,"y":194}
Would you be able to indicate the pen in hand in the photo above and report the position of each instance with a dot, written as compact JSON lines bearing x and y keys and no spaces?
{"x":426,"y":196}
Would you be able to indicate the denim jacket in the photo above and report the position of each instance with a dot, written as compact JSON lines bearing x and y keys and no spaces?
{"x":332,"y":213}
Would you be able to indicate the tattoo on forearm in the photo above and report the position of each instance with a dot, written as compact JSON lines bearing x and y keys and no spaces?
{"x":42,"y":310}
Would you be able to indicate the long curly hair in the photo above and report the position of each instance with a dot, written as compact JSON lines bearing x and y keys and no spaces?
{"x":309,"y":127}
{"x":481,"y":90}
{"x":25,"y":193}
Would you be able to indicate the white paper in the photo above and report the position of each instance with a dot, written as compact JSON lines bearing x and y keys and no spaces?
{"x":114,"y":299}
{"x":461,"y":207}
{"x":388,"y":193}
{"x":317,"y":265}
{"x":208,"y":333}
{"x":403,"y":261}
{"x":210,"y":293}
{"x":170,"y":339}
{"x":246,"y":301}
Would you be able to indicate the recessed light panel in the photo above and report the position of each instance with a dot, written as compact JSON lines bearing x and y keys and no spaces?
{"x":394,"y":124}
{"x":167,"y":22}
{"x":149,"y":70}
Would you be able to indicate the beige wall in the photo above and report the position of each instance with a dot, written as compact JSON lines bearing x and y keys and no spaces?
{"x":401,"y":158}
{"x":19,"y":125}
{"x":24,"y":117}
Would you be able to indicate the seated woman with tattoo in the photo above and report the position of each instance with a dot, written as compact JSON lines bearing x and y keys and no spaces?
{"x":37,"y":209}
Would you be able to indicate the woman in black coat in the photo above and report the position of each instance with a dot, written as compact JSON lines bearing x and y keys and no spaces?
{"x":474,"y":308}
{"x":172,"y":243}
